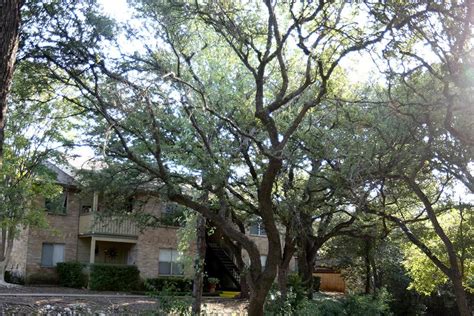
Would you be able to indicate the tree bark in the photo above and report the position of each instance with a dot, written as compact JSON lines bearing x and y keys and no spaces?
{"x":305,"y":269}
{"x":454,"y":273}
{"x":460,"y":293}
{"x":257,"y":300}
{"x":7,"y":247}
{"x":199,"y":264}
{"x":283,"y":280}
{"x":9,"y":38}
{"x":244,"y":286}
{"x":283,"y":268}
{"x":367,"y":266}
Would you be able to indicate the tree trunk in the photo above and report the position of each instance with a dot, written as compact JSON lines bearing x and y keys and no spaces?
{"x":375,"y":273}
{"x":199,"y":264}
{"x":283,"y":281}
{"x":3,"y":267}
{"x":305,"y":270}
{"x":454,"y":273}
{"x":367,"y":266}
{"x":460,"y":293}
{"x":244,"y":287}
{"x":284,"y":267}
{"x":6,"y":248}
{"x":9,"y":35}
{"x":257,"y":301}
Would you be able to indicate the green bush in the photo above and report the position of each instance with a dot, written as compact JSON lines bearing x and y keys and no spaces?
{"x":174,"y":284}
{"x":15,"y":278}
{"x":172,"y":293}
{"x":114,"y":278}
{"x":324,"y":305}
{"x":368,"y":305}
{"x":296,"y":296}
{"x":42,"y":278}
{"x":71,"y":275}
{"x":296,"y":288}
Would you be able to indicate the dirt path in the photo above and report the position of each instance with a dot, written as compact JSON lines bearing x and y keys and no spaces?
{"x":54,"y":301}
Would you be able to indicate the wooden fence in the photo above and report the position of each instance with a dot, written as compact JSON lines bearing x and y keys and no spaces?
{"x":331,"y":281}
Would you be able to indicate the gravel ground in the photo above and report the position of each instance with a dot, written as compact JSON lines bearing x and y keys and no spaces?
{"x":100,"y":305}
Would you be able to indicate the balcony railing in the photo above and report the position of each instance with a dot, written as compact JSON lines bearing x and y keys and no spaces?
{"x":94,"y":224}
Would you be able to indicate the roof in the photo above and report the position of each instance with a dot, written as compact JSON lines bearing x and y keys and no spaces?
{"x":63,"y":176}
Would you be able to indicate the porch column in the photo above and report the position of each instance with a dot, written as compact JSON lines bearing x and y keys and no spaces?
{"x":95,"y":202}
{"x":92,"y":253}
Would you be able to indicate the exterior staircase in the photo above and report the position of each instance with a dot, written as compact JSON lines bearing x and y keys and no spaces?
{"x":226,"y":262}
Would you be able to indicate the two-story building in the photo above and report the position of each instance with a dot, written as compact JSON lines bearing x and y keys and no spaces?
{"x":78,"y":231}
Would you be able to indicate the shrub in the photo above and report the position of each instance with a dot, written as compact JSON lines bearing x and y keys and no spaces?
{"x":324,"y":305}
{"x":368,"y":305}
{"x":170,"y":291}
{"x":71,"y":275}
{"x":296,"y":296}
{"x":114,"y":277}
{"x":296,"y":288}
{"x":14,"y":277}
{"x":178,"y":285}
{"x":42,"y":278}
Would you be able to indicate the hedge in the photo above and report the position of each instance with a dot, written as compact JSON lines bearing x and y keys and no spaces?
{"x":71,"y":275}
{"x":176,"y":284}
{"x":114,"y":278}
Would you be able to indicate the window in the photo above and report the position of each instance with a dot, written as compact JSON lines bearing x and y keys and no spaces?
{"x":57,"y":204}
{"x":86,"y":209}
{"x":258,"y":229}
{"x":52,"y":254}
{"x":169,"y":262}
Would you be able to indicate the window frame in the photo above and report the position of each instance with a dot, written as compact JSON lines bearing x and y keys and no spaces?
{"x":172,"y":264}
{"x":54,"y":247}
{"x":260,"y":229}
{"x":63,"y":208}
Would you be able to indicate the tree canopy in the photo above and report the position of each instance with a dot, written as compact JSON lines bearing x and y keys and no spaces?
{"x":247,"y":111}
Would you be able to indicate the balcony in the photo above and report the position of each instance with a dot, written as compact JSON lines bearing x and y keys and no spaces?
{"x":93,"y":224}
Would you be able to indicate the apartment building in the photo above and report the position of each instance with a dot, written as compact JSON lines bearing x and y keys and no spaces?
{"x":78,"y":231}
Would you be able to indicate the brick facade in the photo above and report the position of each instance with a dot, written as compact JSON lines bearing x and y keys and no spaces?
{"x":141,"y":250}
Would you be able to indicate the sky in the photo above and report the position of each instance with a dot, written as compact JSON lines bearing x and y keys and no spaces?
{"x":117,"y":9}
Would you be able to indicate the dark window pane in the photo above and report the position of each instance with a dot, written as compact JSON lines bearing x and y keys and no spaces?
{"x":177,"y":268}
{"x":58,"y":204}
{"x":254,"y":229}
{"x":47,"y":255}
{"x":164,"y":268}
